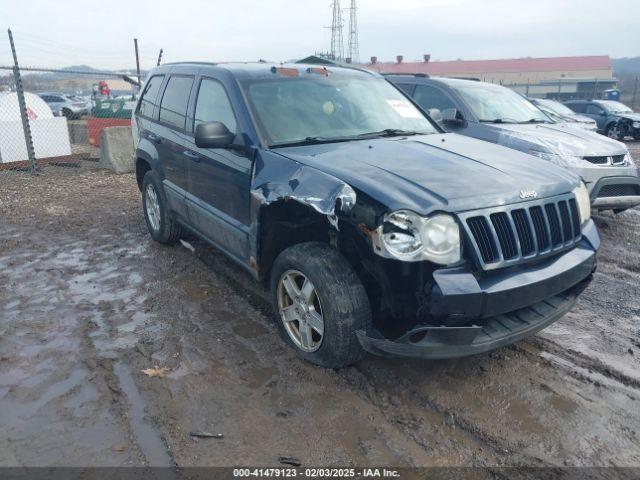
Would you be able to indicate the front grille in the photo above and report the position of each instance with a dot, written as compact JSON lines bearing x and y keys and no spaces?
{"x":509,"y":235}
{"x":606,"y":160}
{"x":619,"y":190}
{"x":598,"y":160}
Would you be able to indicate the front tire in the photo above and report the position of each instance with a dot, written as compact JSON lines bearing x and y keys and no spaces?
{"x":613,"y":131}
{"x":161,"y":224}
{"x":319,"y":304}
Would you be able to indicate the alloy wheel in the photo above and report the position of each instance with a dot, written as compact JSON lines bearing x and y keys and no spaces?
{"x":300,"y":310}
{"x":152,"y":207}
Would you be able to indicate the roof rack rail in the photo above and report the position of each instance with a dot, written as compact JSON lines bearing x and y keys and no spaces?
{"x":420,"y":75}
{"x":314,"y":60}
{"x":189,"y":63}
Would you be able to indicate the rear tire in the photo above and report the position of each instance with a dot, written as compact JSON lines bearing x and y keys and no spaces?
{"x":334,"y":291}
{"x":160,"y":221}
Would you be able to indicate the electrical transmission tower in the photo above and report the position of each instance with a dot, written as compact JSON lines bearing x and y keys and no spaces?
{"x":337,"y":47}
{"x":354,"y":48}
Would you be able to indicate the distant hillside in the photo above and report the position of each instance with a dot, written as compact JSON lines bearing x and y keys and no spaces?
{"x":623,"y":67}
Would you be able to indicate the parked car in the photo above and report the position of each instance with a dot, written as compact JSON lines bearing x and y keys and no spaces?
{"x":614,"y":119}
{"x":500,"y":115}
{"x":560,"y":113}
{"x":62,"y":104}
{"x":375,"y":230}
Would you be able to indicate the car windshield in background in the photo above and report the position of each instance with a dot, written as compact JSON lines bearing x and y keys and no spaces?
{"x":555,"y":107}
{"x":318,"y":109}
{"x":615,"y":107}
{"x":499,"y":105}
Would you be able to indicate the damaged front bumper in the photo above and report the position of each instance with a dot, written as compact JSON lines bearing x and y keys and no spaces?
{"x":487,"y":334}
{"x":480,"y":313}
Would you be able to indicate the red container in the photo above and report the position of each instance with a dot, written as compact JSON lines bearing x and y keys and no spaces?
{"x":95,"y":126}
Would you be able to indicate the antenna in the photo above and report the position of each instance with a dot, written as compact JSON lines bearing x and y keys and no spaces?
{"x":354,"y":48}
{"x":337,"y":46}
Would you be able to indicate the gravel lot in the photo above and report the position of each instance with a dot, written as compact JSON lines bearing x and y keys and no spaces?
{"x":87,"y":301}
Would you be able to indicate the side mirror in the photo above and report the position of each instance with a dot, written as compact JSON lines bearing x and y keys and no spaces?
{"x":452,"y":116}
{"x":213,"y":135}
{"x":603,"y":113}
{"x":435,"y":114}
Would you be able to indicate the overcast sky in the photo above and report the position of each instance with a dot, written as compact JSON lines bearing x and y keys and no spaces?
{"x":100,"y":33}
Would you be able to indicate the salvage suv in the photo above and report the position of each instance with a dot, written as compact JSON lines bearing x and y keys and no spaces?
{"x":375,"y":230}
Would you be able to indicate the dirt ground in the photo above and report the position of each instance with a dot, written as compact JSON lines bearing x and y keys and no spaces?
{"x":87,"y":301}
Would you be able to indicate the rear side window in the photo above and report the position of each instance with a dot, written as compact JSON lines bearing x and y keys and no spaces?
{"x":213,"y":105}
{"x":173,"y":108}
{"x":429,"y":97}
{"x":406,"y":88}
{"x":150,"y":95}
{"x":577,"y":107}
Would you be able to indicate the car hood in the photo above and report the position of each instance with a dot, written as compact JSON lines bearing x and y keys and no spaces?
{"x":553,"y":138}
{"x":635,"y":117}
{"x":576,"y":117}
{"x":435,"y":172}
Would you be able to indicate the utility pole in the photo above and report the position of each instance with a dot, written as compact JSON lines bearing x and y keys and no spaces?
{"x":135,"y":44}
{"x":159,"y":58}
{"x":635,"y":93}
{"x":337,"y":46}
{"x":354,"y":47}
{"x":22,"y":104}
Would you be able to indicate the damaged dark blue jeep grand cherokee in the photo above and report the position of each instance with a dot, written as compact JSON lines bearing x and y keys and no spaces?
{"x":375,"y":230}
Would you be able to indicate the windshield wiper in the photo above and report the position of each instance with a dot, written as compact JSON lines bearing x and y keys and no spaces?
{"x":389,"y":132}
{"x":535,"y":120}
{"x":498,"y":120}
{"x":312,"y":141}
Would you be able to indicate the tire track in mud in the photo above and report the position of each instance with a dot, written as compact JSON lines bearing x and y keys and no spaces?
{"x":577,"y":359}
{"x":500,"y":450}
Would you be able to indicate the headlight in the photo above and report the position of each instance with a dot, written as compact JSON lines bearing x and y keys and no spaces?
{"x":562,"y":160}
{"x":636,"y":124}
{"x":584,"y":202}
{"x":407,"y":236}
{"x":628,"y":160}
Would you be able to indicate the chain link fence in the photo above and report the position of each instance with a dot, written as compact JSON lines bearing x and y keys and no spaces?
{"x":52,"y":118}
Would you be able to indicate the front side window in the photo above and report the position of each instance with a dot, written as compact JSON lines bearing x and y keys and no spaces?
{"x":150,"y":95}
{"x":213,"y":105}
{"x":173,"y":107}
{"x":492,"y":103}
{"x":332,"y":107}
{"x":594,"y":110}
{"x":430,"y":97}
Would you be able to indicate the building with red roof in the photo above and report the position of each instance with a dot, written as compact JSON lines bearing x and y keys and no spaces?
{"x":561,"y":77}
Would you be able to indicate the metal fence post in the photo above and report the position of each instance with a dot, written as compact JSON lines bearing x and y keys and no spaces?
{"x":23,"y":107}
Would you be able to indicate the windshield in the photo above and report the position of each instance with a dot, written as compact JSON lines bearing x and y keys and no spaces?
{"x":491,"y":103}
{"x":555,"y":107}
{"x":615,"y":107}
{"x":313,"y":108}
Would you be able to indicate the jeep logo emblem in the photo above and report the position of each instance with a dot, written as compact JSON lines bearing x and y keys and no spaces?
{"x":524,"y":194}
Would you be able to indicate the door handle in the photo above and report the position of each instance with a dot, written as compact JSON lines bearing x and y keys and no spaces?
{"x":192,"y":155}
{"x":154,"y":138}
